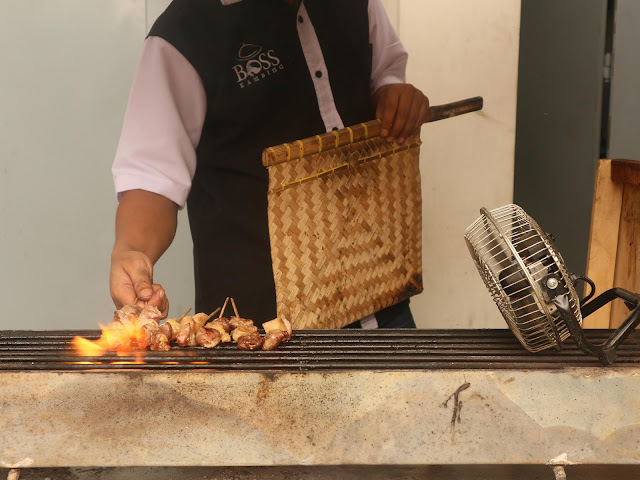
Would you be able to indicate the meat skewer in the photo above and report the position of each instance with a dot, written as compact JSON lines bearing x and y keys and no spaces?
{"x":221,"y":317}
{"x":134,"y":326}
{"x":149,"y":333}
{"x":155,"y":336}
{"x":221,"y":324}
{"x":149,"y":313}
{"x":134,"y":323}
{"x":205,"y":337}
{"x":208,"y":338}
{"x":245,"y":333}
{"x":222,"y":328}
{"x":126,"y":314}
{"x":122,"y":327}
{"x":192,"y":332}
{"x":277,"y":331}
{"x":186,"y":336}
{"x":241,"y":326}
{"x":171,"y":326}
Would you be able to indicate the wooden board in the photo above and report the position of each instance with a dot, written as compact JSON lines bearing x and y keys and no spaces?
{"x":603,"y":242}
{"x":628,"y":252}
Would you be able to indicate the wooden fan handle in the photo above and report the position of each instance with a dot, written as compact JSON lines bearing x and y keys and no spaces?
{"x":448,"y":110}
{"x":326,"y":141}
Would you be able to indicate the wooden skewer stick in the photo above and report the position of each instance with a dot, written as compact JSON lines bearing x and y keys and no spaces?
{"x":223,"y":307}
{"x":234,"y":307}
{"x":135,"y":302}
{"x":212,"y":314}
{"x":184,"y":314}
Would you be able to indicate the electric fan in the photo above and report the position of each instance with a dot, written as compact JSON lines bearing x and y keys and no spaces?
{"x":535,"y":293}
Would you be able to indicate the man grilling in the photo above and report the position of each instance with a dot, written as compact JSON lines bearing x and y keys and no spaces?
{"x":217,"y":82}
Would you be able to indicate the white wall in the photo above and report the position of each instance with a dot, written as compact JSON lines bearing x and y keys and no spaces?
{"x":460,"y":49}
{"x":65,"y":74}
{"x":66,"y":68}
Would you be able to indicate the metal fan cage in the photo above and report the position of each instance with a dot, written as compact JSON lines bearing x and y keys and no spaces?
{"x":515,"y":259}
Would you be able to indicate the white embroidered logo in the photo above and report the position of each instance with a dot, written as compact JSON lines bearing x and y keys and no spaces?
{"x":254,"y":64}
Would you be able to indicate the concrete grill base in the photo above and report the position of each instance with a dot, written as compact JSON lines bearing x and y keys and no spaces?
{"x":189,"y":419}
{"x":377,"y":472}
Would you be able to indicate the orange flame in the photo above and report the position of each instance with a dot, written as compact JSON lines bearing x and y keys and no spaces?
{"x":87,"y":348}
{"x":121,"y":337}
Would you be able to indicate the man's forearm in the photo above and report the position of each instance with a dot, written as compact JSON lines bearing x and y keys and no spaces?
{"x":145,"y":222}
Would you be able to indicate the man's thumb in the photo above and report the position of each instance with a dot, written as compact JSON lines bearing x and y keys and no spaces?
{"x":143,"y":289}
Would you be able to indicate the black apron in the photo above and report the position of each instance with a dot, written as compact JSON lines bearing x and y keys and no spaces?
{"x":259,"y":93}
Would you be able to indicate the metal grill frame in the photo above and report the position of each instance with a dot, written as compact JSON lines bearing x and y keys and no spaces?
{"x":464,"y":411}
{"x":315,"y":350}
{"x":386,"y":397}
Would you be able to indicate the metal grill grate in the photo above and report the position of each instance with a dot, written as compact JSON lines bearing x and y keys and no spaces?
{"x":317,"y":350}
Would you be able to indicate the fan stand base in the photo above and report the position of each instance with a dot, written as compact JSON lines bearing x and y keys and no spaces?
{"x":606,"y":351}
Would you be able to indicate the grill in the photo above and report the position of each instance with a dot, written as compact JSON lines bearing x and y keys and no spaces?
{"x":390,"y":398}
{"x":311,"y":350}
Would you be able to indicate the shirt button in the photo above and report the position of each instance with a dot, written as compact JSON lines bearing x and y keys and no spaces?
{"x":319,"y":74}
{"x":335,"y":128}
{"x":300,"y":19}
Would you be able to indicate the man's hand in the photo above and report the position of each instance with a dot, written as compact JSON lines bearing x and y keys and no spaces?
{"x":131,"y":277}
{"x":145,"y":226}
{"x":402,"y":108}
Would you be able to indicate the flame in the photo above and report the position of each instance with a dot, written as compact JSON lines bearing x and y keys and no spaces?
{"x":87,"y":348}
{"x":137,"y":361}
{"x":121,"y":337}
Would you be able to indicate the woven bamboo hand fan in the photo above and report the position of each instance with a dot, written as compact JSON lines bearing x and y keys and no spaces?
{"x":345,"y":222}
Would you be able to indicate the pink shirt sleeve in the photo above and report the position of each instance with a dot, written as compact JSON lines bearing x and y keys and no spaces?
{"x":162,"y":125}
{"x":389,"y":63}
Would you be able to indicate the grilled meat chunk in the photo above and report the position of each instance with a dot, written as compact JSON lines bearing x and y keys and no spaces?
{"x":221,"y":328}
{"x":220,"y":324}
{"x":251,"y":341}
{"x":145,"y":336}
{"x":236,"y":322}
{"x":187,"y":335}
{"x":274,"y":338}
{"x":243,"y":330}
{"x":160,"y":342}
{"x":200,"y":319}
{"x":208,"y":338}
{"x":119,"y":337}
{"x":127,"y":312}
{"x":166,"y":330}
{"x":171,"y":328}
{"x":152,"y":336}
{"x":279,"y":323}
{"x":149,"y":312}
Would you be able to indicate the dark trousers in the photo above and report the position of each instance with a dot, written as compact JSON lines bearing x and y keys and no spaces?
{"x":396,"y":316}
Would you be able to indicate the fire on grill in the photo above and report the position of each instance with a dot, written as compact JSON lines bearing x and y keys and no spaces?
{"x":138,"y":328}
